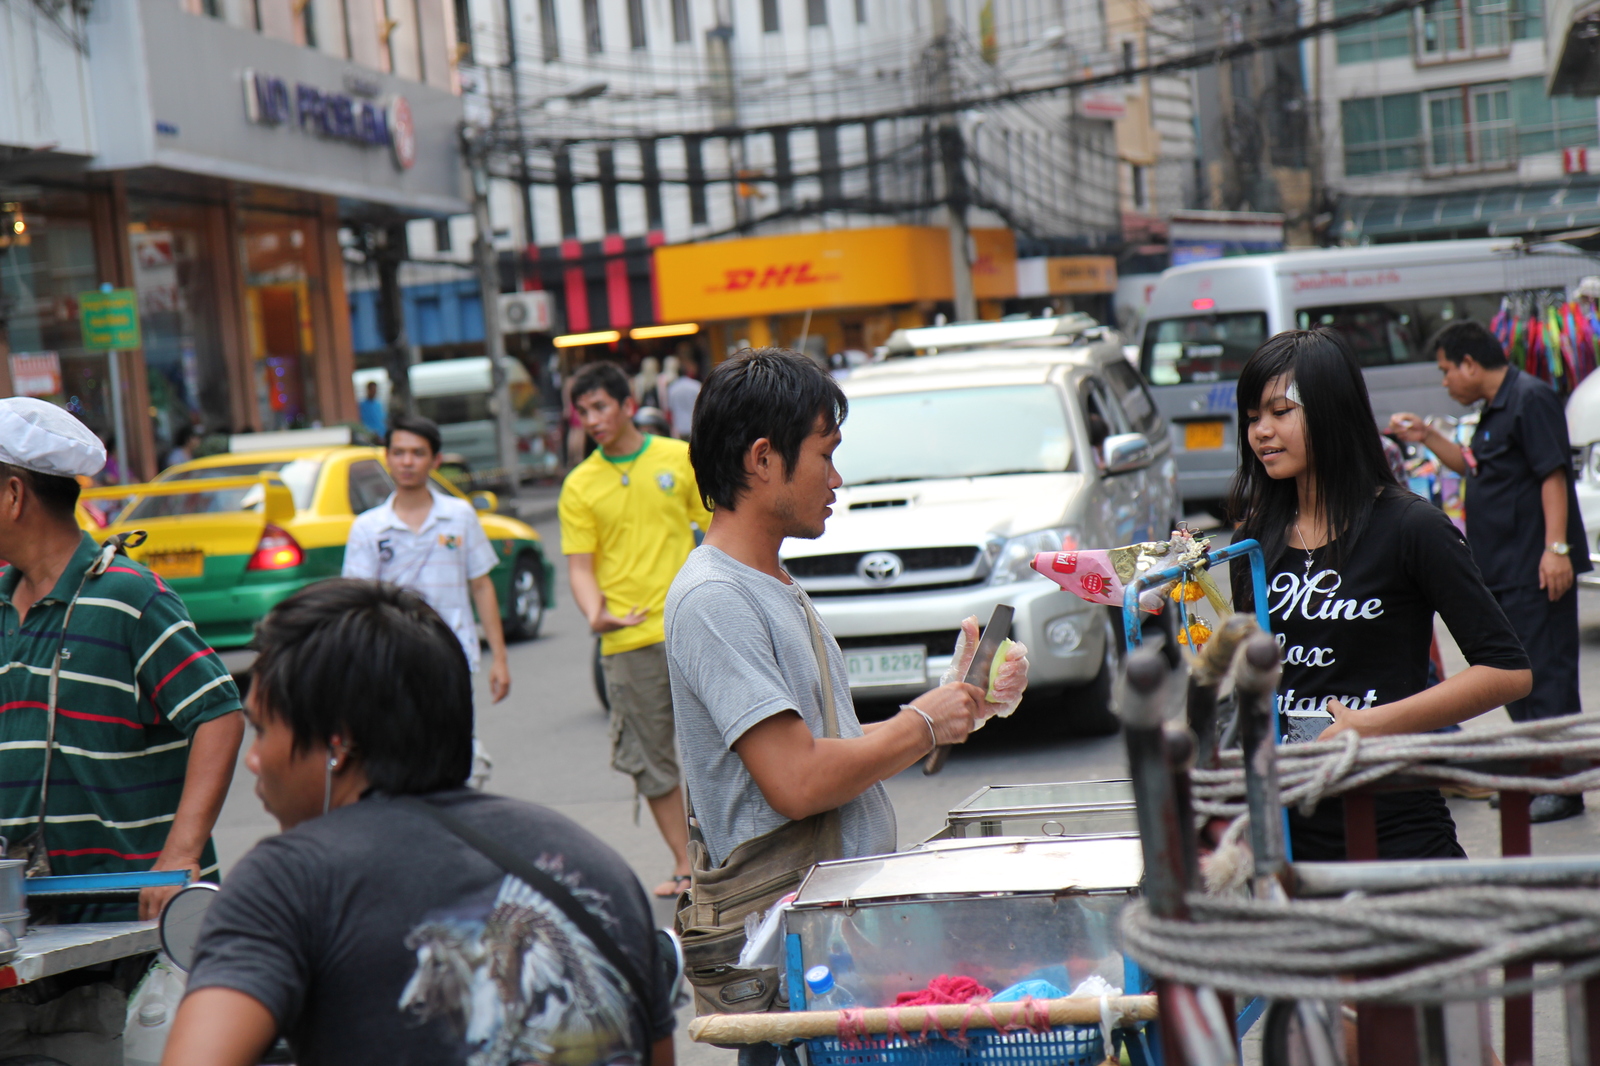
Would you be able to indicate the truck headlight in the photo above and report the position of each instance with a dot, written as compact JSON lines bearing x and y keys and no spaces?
{"x":1013,"y":558}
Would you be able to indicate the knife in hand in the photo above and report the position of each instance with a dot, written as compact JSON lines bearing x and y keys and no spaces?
{"x":997,"y":630}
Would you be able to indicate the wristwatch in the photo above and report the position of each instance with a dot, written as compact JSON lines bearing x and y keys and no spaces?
{"x":1560,"y":547}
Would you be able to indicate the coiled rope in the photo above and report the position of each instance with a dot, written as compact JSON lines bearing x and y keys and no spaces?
{"x":1446,"y":938}
{"x":1443,"y":940}
{"x":1310,"y":773}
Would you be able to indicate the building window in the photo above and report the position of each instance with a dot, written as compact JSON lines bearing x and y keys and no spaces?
{"x":1527,"y":20}
{"x":1385,"y":38}
{"x":1381,"y":133}
{"x":1551,"y":123}
{"x":1469,"y":128}
{"x":548,"y":39}
{"x":816,"y":12}
{"x":1462,"y":29}
{"x":861,"y":12}
{"x":769,"y":16}
{"x":212,"y":8}
{"x":681,"y":30}
{"x":1141,"y":194}
{"x":308,"y":24}
{"x":591,"y":27}
{"x":636,"y":23}
{"x":463,"y":31}
{"x":1466,"y":128}
{"x":441,"y":235}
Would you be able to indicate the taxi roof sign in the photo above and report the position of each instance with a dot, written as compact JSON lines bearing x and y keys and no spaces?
{"x":987,"y":334}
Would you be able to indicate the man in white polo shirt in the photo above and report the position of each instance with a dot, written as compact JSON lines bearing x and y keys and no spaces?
{"x":433,"y":544}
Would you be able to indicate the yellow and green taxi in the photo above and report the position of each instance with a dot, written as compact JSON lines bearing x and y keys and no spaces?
{"x":234,"y":534}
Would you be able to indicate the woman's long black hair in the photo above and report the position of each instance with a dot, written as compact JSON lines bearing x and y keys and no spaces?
{"x":1342,"y":448}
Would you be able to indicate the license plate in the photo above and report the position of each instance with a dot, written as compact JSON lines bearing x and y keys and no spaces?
{"x":1202,"y":436}
{"x":904,"y":664}
{"x":177,"y":564}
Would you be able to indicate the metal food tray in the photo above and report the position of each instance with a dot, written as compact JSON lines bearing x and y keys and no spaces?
{"x":1059,"y":809}
{"x":996,"y":912}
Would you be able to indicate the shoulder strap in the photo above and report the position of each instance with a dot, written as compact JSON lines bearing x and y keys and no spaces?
{"x":830,"y":712}
{"x":556,"y":893}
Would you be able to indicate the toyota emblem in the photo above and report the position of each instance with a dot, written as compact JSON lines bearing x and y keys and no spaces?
{"x":880,"y":568}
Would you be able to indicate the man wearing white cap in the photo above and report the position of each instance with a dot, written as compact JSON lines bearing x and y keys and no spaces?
{"x":118,"y":731}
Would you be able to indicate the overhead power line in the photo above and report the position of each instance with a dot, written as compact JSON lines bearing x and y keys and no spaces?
{"x":1204,"y":57}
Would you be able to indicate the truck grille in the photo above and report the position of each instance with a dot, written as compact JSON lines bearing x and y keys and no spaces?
{"x":844,"y":565}
{"x":938,"y":642}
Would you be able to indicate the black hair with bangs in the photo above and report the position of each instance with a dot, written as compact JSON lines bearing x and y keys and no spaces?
{"x":370,"y":662}
{"x":774,"y":393}
{"x":1342,"y":449}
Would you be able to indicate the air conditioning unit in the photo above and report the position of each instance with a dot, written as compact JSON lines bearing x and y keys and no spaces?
{"x":526,"y":312}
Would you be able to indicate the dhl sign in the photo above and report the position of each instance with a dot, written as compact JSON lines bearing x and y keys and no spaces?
{"x":842,"y":268}
{"x":772,"y":276}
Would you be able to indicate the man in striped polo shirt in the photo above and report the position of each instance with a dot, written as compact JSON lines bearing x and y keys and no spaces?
{"x":145,"y":725}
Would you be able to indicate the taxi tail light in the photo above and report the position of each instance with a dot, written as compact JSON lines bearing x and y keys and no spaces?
{"x":276,"y":551}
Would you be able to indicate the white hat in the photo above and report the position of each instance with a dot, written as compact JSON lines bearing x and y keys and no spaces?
{"x":41,"y":437}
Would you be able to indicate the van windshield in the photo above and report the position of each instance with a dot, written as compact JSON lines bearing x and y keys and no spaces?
{"x":955,"y":433}
{"x":1201,"y":348}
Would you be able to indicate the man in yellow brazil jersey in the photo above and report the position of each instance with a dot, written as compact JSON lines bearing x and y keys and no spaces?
{"x":628,"y":516}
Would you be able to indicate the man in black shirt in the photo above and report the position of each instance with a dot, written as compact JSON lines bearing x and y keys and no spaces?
{"x":1522,"y":515}
{"x":373,"y":931}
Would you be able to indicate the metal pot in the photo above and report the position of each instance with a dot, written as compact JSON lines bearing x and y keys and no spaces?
{"x":13,"y":897}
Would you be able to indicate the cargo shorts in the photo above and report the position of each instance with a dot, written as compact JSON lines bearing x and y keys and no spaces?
{"x":643,"y":742}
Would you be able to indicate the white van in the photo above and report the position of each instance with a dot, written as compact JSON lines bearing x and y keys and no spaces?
{"x":1206,"y":318}
{"x":458,"y":394}
{"x":1583,"y":426}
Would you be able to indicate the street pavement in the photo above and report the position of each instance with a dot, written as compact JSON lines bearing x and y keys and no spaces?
{"x":549,"y":743}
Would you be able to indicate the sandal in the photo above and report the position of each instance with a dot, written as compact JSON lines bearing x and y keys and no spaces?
{"x":674,"y":888}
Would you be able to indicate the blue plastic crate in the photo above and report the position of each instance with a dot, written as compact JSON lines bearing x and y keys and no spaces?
{"x":1064,"y":1046}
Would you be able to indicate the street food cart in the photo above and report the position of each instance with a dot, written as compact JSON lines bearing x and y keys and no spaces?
{"x":1022,"y":889}
{"x":61,"y":998}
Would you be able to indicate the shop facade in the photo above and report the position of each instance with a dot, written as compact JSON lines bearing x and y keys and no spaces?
{"x":827,"y":292}
{"x":224,"y":165}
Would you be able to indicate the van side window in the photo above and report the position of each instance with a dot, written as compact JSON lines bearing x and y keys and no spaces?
{"x":1378,"y":334}
{"x":369,"y":485}
{"x":1135,"y":399}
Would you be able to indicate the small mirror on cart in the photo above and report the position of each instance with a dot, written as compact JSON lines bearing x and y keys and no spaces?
{"x":181,"y":919}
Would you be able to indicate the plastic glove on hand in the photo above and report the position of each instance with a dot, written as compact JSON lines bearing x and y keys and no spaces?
{"x":1008,"y":677}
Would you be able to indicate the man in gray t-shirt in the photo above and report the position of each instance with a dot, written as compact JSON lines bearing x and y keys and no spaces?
{"x":739,"y":650}
{"x":746,"y":682}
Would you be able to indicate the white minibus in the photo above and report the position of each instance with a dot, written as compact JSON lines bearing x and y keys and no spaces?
{"x":1206,"y":318}
{"x":458,"y":395}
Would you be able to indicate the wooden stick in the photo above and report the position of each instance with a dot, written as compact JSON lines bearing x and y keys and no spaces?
{"x":804,"y":1025}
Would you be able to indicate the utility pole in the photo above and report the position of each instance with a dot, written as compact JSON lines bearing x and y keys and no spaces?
{"x":524,"y":178}
{"x":386,"y":247}
{"x":474,"y":145}
{"x":952,"y":151}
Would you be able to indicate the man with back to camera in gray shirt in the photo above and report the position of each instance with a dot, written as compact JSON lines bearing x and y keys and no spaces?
{"x":746,"y":678}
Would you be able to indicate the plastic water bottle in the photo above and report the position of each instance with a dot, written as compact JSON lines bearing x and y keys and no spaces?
{"x":150,"y":1012}
{"x":824,"y":994}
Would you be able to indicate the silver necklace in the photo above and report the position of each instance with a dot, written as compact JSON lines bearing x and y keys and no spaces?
{"x":1303,"y":545}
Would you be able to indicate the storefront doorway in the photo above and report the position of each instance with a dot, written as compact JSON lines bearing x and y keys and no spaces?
{"x":281,"y":271}
{"x":47,"y":257}
{"x":172,"y":246}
